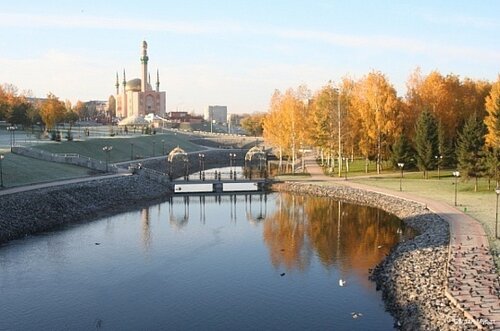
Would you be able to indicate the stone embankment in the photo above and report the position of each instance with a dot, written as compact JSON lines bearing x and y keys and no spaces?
{"x":44,"y":209}
{"x":413,"y":276}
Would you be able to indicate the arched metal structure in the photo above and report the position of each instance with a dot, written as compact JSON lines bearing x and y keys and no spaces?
{"x":256,"y":158}
{"x":175,"y":155}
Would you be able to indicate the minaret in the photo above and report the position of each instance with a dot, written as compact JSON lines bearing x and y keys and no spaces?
{"x":144,"y":65}
{"x":117,"y":84}
{"x":157,"y":80}
{"x":124,"y":96}
{"x":124,"y":81}
{"x":149,"y":78}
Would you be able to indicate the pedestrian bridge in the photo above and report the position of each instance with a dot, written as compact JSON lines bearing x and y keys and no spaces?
{"x":219,"y":186}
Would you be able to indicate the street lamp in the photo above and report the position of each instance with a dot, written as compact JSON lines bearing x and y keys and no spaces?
{"x":232,"y":157}
{"x":201,"y":158}
{"x":107,"y":150}
{"x":1,"y":174}
{"x":497,"y":191}
{"x":438,"y":159}
{"x":12,"y":129}
{"x":401,"y":165}
{"x":186,"y":169}
{"x":456,"y":174}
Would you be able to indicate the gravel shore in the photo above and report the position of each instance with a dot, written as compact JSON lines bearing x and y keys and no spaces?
{"x":412,"y":277}
{"x":40,"y":210}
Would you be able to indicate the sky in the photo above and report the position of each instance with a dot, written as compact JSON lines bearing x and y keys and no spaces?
{"x":236,"y":53}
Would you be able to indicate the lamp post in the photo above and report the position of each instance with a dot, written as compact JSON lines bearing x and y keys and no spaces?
{"x":497,"y":191}
{"x":438,"y":159}
{"x":201,"y":158}
{"x":456,"y":174}
{"x":12,"y":129}
{"x":1,"y":173}
{"x":186,"y":171}
{"x":401,"y":165}
{"x":232,"y":157}
{"x":131,"y":151}
{"x":107,"y":150}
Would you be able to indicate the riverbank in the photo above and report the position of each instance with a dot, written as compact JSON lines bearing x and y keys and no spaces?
{"x":43,"y":209}
{"x":413,"y":276}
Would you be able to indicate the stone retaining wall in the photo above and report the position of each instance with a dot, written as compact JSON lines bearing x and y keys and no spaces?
{"x":44,"y":209}
{"x":413,"y":276}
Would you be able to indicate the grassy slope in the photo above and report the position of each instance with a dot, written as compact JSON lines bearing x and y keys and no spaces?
{"x":143,"y":146}
{"x":20,"y":170}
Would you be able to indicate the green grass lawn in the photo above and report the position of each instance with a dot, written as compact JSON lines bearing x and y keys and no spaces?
{"x":481,"y":205}
{"x":122,"y":146}
{"x":20,"y":170}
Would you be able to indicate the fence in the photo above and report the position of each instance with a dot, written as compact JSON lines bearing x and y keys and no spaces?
{"x":67,"y":158}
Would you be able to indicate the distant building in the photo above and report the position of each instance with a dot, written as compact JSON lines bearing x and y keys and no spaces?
{"x":99,"y":107}
{"x":216,"y":114}
{"x":183,"y":117}
{"x":137,"y":98}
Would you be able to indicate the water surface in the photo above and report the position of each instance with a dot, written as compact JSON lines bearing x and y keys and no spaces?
{"x":215,"y":262}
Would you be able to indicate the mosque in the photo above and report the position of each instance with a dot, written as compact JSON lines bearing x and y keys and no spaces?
{"x":137,"y":98}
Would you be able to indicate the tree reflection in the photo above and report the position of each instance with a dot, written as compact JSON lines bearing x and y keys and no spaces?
{"x":341,"y":235}
{"x":284,"y":233}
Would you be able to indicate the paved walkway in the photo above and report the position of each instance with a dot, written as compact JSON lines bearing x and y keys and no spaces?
{"x":473,"y":283}
{"x":25,"y":188}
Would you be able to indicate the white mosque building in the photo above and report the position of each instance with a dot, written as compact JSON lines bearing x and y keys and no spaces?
{"x":137,"y":98}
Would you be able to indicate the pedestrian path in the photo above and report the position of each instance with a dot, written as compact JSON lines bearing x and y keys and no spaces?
{"x":473,"y":283}
{"x":25,"y":188}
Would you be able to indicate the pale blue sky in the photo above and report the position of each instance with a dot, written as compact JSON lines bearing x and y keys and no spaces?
{"x":236,"y":53}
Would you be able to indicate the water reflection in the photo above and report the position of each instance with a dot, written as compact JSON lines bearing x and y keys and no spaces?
{"x":342,"y":236}
{"x":256,"y":214}
{"x":204,"y":259}
{"x":178,"y":212}
{"x":179,"y":206}
{"x":146,"y":229}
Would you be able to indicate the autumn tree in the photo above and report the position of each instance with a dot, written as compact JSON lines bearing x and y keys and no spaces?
{"x":323,"y":120}
{"x":376,"y":106}
{"x":492,"y":119}
{"x":450,"y":99}
{"x":470,"y":149}
{"x":253,"y":123}
{"x":80,"y":109}
{"x":426,"y":142}
{"x":52,"y":111}
{"x":285,"y":125}
{"x":492,"y":138}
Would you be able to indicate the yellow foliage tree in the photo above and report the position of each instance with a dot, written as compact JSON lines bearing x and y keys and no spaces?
{"x":377,"y":108}
{"x":52,"y":111}
{"x":492,"y":120}
{"x":285,"y":124}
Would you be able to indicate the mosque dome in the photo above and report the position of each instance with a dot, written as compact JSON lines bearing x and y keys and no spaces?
{"x":135,"y":85}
